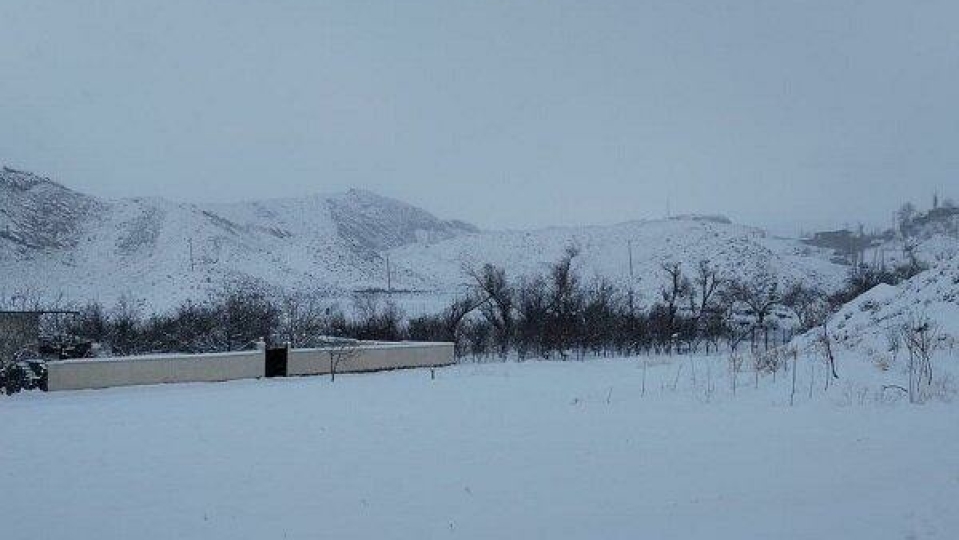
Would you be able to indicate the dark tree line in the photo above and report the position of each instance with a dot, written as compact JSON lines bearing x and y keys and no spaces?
{"x":560,"y":315}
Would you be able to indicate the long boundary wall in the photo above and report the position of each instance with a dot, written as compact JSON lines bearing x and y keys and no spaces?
{"x":369,"y":357}
{"x":177,"y":368}
{"x":135,"y":370}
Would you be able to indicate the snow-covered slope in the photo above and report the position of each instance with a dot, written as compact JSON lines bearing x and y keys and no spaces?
{"x":737,"y":251}
{"x":55,"y":241}
{"x":38,"y":214}
{"x":870,"y":321}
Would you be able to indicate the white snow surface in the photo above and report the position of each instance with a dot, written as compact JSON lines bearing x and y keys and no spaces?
{"x":560,"y":450}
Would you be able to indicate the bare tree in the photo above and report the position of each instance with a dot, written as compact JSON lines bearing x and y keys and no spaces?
{"x":376,"y":319}
{"x":565,"y":301}
{"x":491,"y":285}
{"x":807,"y":304}
{"x":705,"y":301}
{"x":601,"y":309}
{"x":919,"y":336}
{"x":825,"y":344}
{"x":340,"y":350}
{"x":126,"y":322}
{"x":447,"y":325}
{"x":248,"y":314}
{"x":704,"y":289}
{"x":673,"y":293}
{"x":303,"y":317}
{"x":533,"y":311}
{"x":761,"y":295}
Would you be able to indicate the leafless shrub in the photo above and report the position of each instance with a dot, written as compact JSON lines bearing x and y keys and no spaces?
{"x":736,"y":362}
{"x":883,"y":361}
{"x":943,"y":388}
{"x":857,"y":394}
{"x":893,"y":342}
{"x":825,"y":346}
{"x":919,"y":336}
{"x":769,"y":362}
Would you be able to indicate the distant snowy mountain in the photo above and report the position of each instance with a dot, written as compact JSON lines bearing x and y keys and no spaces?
{"x":54,"y":241}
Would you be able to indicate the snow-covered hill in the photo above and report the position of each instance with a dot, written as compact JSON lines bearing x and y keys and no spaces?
{"x":872,"y":322}
{"x":37,"y":214}
{"x":54,"y":241}
{"x":736,"y":251}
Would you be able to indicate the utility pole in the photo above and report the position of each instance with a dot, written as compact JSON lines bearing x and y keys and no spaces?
{"x":389,"y":277}
{"x":190,"y":241}
{"x":629,"y":246}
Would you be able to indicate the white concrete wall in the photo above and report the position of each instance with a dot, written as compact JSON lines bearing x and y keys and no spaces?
{"x":371,"y":357}
{"x":173,"y":368}
{"x":134,"y":370}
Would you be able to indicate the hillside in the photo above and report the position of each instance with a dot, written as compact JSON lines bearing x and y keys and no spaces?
{"x":868,"y":323}
{"x":55,"y":242}
{"x":38,"y":214}
{"x":737,"y":251}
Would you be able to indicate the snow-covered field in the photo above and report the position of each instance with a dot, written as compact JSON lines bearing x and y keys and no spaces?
{"x":532,"y":450}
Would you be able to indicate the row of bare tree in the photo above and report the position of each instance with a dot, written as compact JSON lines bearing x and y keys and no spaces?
{"x":559,"y":314}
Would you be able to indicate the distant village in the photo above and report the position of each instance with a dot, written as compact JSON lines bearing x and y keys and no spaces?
{"x":851,"y":246}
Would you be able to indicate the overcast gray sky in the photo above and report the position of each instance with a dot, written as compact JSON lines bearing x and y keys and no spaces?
{"x":503,"y":113}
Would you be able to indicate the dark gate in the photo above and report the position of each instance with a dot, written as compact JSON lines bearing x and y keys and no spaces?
{"x":276,"y":362}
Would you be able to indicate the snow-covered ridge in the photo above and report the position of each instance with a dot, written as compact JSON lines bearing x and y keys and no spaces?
{"x":871,"y":322}
{"x":54,"y":241}
{"x":737,"y":251}
{"x":39,"y":214}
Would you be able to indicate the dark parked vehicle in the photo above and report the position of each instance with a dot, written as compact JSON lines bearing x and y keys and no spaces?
{"x":23,"y":375}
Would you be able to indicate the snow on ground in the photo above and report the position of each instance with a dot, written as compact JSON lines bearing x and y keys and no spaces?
{"x":533,"y":450}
